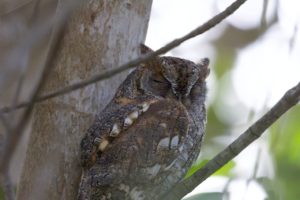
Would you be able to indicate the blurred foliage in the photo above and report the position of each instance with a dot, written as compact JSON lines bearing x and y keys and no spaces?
{"x":224,"y":62}
{"x":215,"y":126}
{"x":206,"y":196}
{"x":270,"y":187}
{"x":1,"y":194}
{"x":284,"y":135}
{"x":285,"y":146}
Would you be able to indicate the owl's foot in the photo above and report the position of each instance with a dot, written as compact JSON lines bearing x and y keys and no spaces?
{"x":102,"y":180}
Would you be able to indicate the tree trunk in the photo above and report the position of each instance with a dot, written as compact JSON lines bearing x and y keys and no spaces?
{"x":100,"y":36}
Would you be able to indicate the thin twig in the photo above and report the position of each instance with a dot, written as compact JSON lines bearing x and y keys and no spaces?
{"x":254,"y":174}
{"x":293,"y":39}
{"x":25,"y":54}
{"x":199,"y":30}
{"x":225,"y":191}
{"x":290,"y":99}
{"x":255,"y":170}
{"x":19,"y":86}
{"x":263,"y":20}
{"x":23,"y":67}
{"x":8,"y":187}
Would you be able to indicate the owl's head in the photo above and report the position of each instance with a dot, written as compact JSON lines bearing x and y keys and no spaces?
{"x":172,"y":77}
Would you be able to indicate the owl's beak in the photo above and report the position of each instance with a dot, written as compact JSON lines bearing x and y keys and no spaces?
{"x":182,"y":94}
{"x":179,"y":97}
{"x":181,"y":91}
{"x":178,"y":94}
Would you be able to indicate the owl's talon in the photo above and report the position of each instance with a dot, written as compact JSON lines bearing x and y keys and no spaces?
{"x":101,"y":180}
{"x":174,"y":142}
{"x":102,"y":146}
{"x":131,"y":118}
{"x":163,"y":143}
{"x":145,"y":106}
{"x":127,"y":122}
{"x":134,"y":115}
{"x":115,"y":130}
{"x":97,"y":141}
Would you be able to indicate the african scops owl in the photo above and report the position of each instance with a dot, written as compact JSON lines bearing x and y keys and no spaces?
{"x":148,"y":136}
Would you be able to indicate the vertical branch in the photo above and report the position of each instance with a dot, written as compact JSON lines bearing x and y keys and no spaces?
{"x":7,"y":186}
{"x":5,"y":179}
{"x":14,"y":134}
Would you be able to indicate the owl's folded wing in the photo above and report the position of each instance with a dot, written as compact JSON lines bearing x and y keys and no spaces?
{"x":146,"y":149}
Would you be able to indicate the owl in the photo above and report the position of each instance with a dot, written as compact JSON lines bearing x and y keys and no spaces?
{"x":147,"y":137}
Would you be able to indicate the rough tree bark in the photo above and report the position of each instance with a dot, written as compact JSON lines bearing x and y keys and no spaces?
{"x":100,"y":36}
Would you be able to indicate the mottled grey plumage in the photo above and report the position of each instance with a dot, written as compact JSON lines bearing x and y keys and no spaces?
{"x":147,"y":137}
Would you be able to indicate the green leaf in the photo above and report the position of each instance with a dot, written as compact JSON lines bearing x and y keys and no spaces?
{"x":206,"y":196}
{"x":195,"y":167}
{"x":270,"y":187}
{"x":285,"y":147}
{"x":224,"y":171}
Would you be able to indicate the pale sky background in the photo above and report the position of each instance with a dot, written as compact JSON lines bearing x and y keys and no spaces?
{"x":263,"y":70}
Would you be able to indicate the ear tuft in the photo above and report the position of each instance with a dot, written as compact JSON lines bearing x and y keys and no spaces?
{"x":154,"y":63}
{"x":204,"y":62}
{"x":205,"y":71}
{"x":145,"y":49}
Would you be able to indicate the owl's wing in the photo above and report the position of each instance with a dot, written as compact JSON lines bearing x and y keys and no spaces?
{"x":114,"y":120}
{"x":146,"y":149}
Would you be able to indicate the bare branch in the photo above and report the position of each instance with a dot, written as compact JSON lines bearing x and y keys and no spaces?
{"x":199,"y":30}
{"x":291,"y":98}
